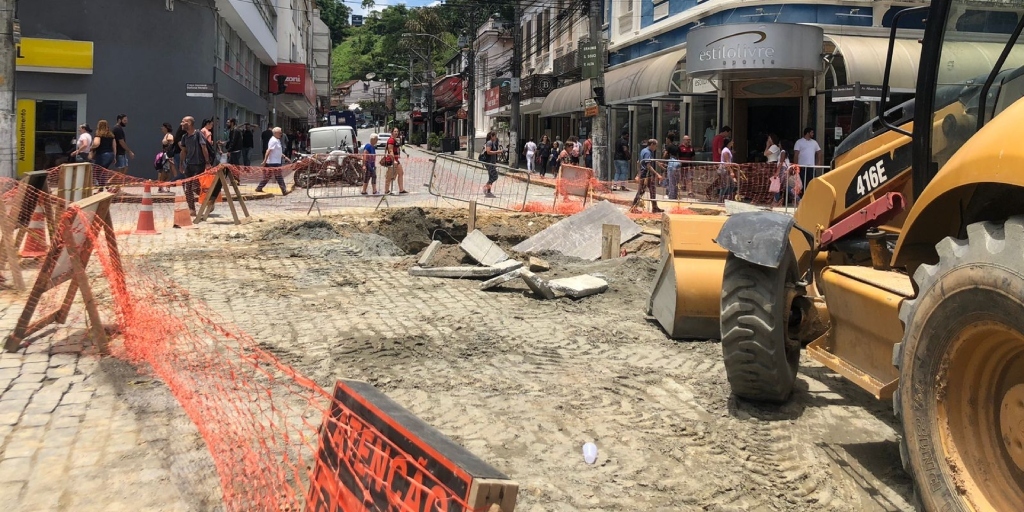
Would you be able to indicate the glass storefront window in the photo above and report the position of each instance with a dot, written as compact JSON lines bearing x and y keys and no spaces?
{"x":705,"y":124}
{"x":644,"y":127}
{"x":56,"y":132}
{"x":671,"y":120}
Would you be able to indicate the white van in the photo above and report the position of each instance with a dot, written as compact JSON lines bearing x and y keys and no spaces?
{"x":330,"y":138}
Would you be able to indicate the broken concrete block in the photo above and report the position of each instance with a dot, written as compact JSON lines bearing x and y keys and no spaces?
{"x":466,"y":272}
{"x":580,"y":235}
{"x":482,"y":249}
{"x":500,"y":280}
{"x":579,"y":286}
{"x":428,"y":254}
{"x":537,"y":285}
{"x":538,"y":265}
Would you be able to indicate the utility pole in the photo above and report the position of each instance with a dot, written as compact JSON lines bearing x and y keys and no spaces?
{"x":470,"y":146}
{"x":430,"y":89}
{"x":411,"y":81}
{"x":517,"y":65}
{"x":599,"y":124}
{"x":8,"y":64}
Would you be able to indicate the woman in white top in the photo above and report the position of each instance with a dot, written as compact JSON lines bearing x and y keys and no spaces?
{"x":531,"y":152}
{"x":84,"y":144}
{"x":726,"y":173}
{"x":772,"y":149}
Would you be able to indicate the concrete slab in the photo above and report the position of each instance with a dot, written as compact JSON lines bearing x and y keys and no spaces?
{"x":429,"y":253}
{"x":482,"y":249}
{"x":467,"y":272}
{"x":579,"y":286}
{"x":538,"y":265}
{"x":537,"y":285}
{"x":580,"y":235}
{"x":500,"y":280}
{"x":734,"y":207}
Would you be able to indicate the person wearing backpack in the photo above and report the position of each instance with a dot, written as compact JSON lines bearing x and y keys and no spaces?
{"x":195,"y":155}
{"x":164,"y":159}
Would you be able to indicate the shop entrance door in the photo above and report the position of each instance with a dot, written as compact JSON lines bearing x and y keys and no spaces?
{"x":757,"y":117}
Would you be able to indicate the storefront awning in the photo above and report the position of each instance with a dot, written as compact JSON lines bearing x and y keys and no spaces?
{"x":448,"y":92}
{"x":531,"y":106}
{"x":565,"y":100}
{"x":645,"y":79}
{"x":865,"y":60}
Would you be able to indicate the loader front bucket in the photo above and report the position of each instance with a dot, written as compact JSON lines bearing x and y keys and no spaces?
{"x":687,"y":293}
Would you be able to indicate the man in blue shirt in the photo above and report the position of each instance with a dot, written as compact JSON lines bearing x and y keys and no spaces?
{"x":648,"y":176}
{"x":370,"y":164}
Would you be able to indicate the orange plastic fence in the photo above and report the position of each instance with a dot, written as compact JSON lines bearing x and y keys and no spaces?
{"x":258,"y":416}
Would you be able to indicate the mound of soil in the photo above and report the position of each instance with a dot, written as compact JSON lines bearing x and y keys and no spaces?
{"x":407,"y":228}
{"x":318,"y":229}
{"x":375,"y":246}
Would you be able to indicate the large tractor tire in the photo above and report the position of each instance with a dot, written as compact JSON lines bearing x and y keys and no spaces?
{"x":761,"y":358}
{"x":961,"y":361}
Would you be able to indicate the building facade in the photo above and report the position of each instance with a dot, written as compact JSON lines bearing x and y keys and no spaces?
{"x":77,"y":68}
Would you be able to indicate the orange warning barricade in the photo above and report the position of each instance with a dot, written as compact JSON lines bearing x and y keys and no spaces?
{"x":205,"y":184}
{"x":182,"y":217}
{"x":146,"y":224}
{"x":35,"y":239}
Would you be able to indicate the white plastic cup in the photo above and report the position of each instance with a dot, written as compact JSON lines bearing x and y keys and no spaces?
{"x":590,"y":453}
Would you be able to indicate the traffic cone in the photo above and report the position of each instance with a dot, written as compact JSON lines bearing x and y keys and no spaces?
{"x":146,"y":224}
{"x":182,"y":217}
{"x":35,"y":238}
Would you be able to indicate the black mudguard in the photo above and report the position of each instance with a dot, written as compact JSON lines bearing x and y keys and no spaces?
{"x":758,"y":237}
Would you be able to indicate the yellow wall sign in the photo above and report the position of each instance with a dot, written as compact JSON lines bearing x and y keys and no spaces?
{"x":54,"y":56}
{"x":25,"y":132}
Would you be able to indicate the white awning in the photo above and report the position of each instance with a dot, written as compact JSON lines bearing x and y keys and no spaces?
{"x":565,"y":100}
{"x":645,"y":79}
{"x":531,"y":106}
{"x":962,"y":60}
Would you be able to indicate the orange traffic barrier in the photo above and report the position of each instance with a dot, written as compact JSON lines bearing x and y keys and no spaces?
{"x":35,"y":245}
{"x":182,"y":216}
{"x":146,"y":225}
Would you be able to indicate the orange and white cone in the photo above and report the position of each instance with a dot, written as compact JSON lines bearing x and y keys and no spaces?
{"x":35,"y":245}
{"x":182,"y":216}
{"x":146,"y":224}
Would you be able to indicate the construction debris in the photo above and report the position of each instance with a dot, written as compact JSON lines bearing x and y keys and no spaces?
{"x":429,"y":253}
{"x":467,"y":272}
{"x":579,"y":286}
{"x":539,"y":265}
{"x":537,"y":285}
{"x":500,"y":280}
{"x":482,"y":249}
{"x":580,"y":235}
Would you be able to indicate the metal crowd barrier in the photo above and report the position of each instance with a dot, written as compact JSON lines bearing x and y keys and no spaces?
{"x":463,"y":179}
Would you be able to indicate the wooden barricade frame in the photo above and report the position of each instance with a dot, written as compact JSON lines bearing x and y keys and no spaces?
{"x":8,"y":248}
{"x":223,"y":175}
{"x":67,"y":261}
{"x":25,"y":204}
{"x":355,"y":456}
{"x":74,"y":182}
{"x":577,"y":173}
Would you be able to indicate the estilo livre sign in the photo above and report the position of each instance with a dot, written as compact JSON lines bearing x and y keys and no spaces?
{"x":375,"y":455}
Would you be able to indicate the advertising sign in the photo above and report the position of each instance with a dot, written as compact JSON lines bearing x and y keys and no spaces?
{"x":200,"y":90}
{"x":591,"y":54}
{"x":54,"y":56}
{"x":770,"y":46}
{"x":492,"y":98}
{"x":295,"y":77}
{"x":25,"y":131}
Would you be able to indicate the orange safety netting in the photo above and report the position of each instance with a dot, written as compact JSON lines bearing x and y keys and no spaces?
{"x":258,"y":416}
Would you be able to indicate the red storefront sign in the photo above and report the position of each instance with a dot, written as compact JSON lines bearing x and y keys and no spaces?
{"x":296,"y":80}
{"x":492,"y":98}
{"x":448,"y":92}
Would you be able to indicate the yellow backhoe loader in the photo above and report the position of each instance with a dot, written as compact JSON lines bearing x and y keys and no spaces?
{"x":902,"y":269}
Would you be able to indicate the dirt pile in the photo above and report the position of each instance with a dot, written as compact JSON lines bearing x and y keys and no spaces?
{"x":376,"y":246}
{"x":318,"y":229}
{"x":407,"y":228}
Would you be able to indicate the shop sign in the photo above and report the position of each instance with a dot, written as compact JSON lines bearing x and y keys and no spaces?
{"x":857,"y":92}
{"x":591,"y":53}
{"x":294,"y":77}
{"x":589,"y":108}
{"x":54,"y":56}
{"x":461,"y":114}
{"x":492,"y":98}
{"x":200,"y":90}
{"x":772,"y":46}
{"x":25,"y":131}
{"x":704,"y":86}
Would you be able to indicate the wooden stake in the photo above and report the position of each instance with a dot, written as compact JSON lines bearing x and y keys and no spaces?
{"x":472,"y":217}
{"x":611,"y":239}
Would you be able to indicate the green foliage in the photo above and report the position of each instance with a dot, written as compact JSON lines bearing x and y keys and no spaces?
{"x":335,"y":15}
{"x":434,"y":140}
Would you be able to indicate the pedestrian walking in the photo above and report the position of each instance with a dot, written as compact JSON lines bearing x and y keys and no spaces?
{"x":726,"y":172}
{"x":83,"y":144}
{"x":163,"y":175}
{"x":543,"y":155}
{"x":104,"y":149}
{"x":370,"y":164}
{"x":807,"y":154}
{"x":531,"y":155}
{"x":553,"y":154}
{"x":686,"y":155}
{"x":195,"y":155}
{"x":673,"y":169}
{"x":123,"y":152}
{"x":621,"y":158}
{"x":395,"y":172}
{"x":266,"y":136}
{"x":772,"y":148}
{"x":234,"y":143}
{"x":719,"y":142}
{"x":491,"y":150}
{"x":588,"y":153}
{"x":247,"y":144}
{"x":647,"y":177}
{"x":273,"y":159}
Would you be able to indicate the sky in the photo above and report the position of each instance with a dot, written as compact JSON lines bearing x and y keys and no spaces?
{"x":357,"y":8}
